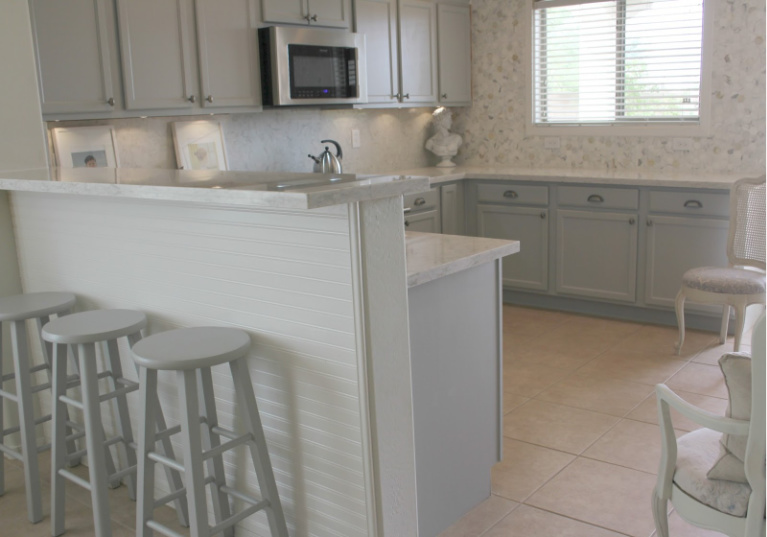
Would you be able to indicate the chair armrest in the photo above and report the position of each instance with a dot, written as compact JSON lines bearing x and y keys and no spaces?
{"x":702,"y":417}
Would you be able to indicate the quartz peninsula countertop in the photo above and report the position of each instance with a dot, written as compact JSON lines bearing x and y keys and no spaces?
{"x":651,"y":178}
{"x":432,"y":255}
{"x":257,"y":189}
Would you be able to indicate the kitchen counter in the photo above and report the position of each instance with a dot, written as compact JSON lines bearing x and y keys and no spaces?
{"x":606,"y":177}
{"x":254,"y":189}
{"x":430,"y":255}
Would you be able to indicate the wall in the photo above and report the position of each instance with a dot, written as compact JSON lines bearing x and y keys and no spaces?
{"x":494,"y":129}
{"x":280,"y":140}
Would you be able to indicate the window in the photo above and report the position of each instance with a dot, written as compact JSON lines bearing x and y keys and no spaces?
{"x":617,"y":62}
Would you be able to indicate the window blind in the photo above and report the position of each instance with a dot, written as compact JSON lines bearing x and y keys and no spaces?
{"x":617,"y":61}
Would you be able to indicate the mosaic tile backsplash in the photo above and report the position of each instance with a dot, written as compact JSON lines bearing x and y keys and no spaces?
{"x":493,"y":127}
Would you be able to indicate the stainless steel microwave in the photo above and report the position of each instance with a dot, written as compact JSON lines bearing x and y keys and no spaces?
{"x":306,"y":66}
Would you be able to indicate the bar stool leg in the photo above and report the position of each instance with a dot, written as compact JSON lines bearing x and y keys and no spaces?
{"x":165,"y":448}
{"x":26,"y":421}
{"x":190,"y":434}
{"x":123,"y":417}
{"x":258,"y":449}
{"x":212,"y":440}
{"x":146,"y":441}
{"x":94,"y":440}
{"x":58,"y":458}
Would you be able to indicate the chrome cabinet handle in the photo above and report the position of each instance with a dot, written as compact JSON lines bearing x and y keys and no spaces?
{"x":406,"y":96}
{"x":444,"y":95}
{"x":649,"y":223}
{"x":510,"y":194}
{"x":693,"y":204}
{"x":314,"y":18}
{"x":397,"y":96}
{"x":419,"y":201}
{"x":631,"y":221}
{"x":595,"y":198}
{"x":406,"y":210}
{"x":191,"y":98}
{"x":111,"y":101}
{"x":209,"y":98}
{"x":407,"y":224}
{"x":543,"y":215}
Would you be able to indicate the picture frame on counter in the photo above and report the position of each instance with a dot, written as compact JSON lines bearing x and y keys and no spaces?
{"x":85,"y":147}
{"x":200,"y":145}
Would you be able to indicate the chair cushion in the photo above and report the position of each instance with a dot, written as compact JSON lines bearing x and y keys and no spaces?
{"x":736,"y":368}
{"x":696,"y":453}
{"x":725,"y":280}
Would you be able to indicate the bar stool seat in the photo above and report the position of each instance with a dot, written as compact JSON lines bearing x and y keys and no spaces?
{"x":16,"y":310}
{"x":82,"y":331}
{"x":191,"y":352}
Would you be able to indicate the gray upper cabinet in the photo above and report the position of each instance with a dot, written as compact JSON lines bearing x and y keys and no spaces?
{"x":157,"y":52}
{"x":227,"y":42}
{"x":418,"y":51}
{"x":329,"y":13}
{"x":377,"y":19}
{"x":78,"y":66}
{"x":454,"y":25}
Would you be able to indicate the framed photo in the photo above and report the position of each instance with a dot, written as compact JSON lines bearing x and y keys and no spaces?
{"x":200,"y":145}
{"x":85,"y":147}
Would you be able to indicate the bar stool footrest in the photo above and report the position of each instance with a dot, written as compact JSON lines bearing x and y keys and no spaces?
{"x":165,"y":530}
{"x":167,"y":461}
{"x":74,"y":478}
{"x":255,"y":506}
{"x":11,"y":452}
{"x":180,"y":493}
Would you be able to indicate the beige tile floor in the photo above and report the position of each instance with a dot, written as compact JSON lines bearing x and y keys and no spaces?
{"x":581,"y":436}
{"x":581,"y":440}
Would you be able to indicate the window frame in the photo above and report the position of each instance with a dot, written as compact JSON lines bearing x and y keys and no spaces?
{"x":700,"y":129}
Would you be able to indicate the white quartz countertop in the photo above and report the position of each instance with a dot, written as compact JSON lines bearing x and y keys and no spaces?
{"x":431,"y":255}
{"x":256,"y":189}
{"x":605,"y":177}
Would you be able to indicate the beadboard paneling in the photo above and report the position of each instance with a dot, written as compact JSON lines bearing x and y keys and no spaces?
{"x":284,"y":276}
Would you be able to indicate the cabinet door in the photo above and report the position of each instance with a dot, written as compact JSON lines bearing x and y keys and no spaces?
{"x":76,"y":55}
{"x":156,"y":46}
{"x":228,"y":49}
{"x":454,"y":27}
{"x":377,"y":19}
{"x":676,"y":244}
{"x":331,"y":13}
{"x":452,"y":209}
{"x":596,"y":255}
{"x":418,"y":51}
{"x":529,"y":268}
{"x":427,"y":222}
{"x":289,"y":11}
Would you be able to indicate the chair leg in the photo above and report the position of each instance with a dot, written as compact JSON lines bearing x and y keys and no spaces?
{"x":725,"y":324}
{"x":259,"y":451}
{"x":679,"y":306}
{"x":58,"y":440}
{"x":660,"y":514}
{"x":212,"y":440}
{"x":123,"y":417}
{"x":146,"y":441}
{"x":192,"y":447}
{"x":94,"y":440}
{"x":740,"y":321}
{"x":26,"y":421}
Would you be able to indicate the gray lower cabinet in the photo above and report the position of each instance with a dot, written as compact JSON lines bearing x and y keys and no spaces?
{"x":453,"y":215}
{"x":596,"y":255}
{"x":530,"y":267}
{"x":427,"y":222}
{"x":422,"y":211}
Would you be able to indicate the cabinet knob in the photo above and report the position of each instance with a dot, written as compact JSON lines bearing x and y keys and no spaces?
{"x":649,"y":223}
{"x":510,"y":194}
{"x":310,"y":18}
{"x":595,"y":198}
{"x":419,"y":201}
{"x":693,"y":204}
{"x":444,"y":95}
{"x":397,"y":96}
{"x":406,"y":96}
{"x":191,"y":99}
{"x":111,"y":101}
{"x":407,"y":224}
{"x":543,"y":215}
{"x":209,"y":98}
{"x":631,"y":221}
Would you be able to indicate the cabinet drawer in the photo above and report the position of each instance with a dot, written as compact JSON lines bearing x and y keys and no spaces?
{"x":511,"y":193}
{"x":599,"y":197}
{"x":697,"y":203}
{"x":422,"y":201}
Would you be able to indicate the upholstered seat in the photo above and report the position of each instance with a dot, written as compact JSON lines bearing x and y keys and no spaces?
{"x":727,"y":280}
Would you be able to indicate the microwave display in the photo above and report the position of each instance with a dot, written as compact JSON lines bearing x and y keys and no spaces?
{"x":322,"y":72}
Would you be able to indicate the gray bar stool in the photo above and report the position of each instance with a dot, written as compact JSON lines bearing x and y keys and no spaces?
{"x":82,"y":331}
{"x":191,"y":352}
{"x":16,"y":310}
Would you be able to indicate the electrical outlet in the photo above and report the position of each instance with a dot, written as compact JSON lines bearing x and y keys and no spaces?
{"x":356,"y":138}
{"x":551,"y":142}
{"x":681,"y":144}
